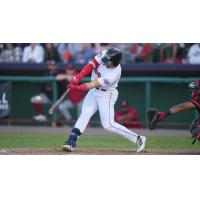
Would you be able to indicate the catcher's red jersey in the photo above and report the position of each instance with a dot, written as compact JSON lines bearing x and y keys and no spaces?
{"x":196,"y":99}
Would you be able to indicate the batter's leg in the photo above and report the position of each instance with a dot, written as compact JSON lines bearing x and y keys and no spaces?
{"x":106,"y":111}
{"x":88,"y":109}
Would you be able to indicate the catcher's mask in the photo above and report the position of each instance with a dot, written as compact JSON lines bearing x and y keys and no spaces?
{"x":112,"y":57}
{"x":195,"y":85}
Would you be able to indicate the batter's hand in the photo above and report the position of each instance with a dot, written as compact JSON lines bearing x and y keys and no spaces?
{"x":82,"y":87}
{"x":75,"y":80}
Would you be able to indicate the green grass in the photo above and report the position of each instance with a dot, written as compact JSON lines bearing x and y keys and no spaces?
{"x":36,"y":140}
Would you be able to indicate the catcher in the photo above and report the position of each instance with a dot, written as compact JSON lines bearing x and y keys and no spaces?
{"x":154,"y":116}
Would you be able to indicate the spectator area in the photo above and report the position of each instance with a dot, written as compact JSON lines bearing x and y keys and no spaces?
{"x":81,"y":53}
{"x":140,"y":61}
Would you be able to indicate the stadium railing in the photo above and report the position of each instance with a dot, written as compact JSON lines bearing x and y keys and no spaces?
{"x":146,"y":80}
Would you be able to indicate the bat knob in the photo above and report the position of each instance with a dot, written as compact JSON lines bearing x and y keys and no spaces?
{"x":50,"y":112}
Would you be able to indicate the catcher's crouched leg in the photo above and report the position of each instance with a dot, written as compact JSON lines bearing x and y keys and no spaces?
{"x":152,"y":118}
{"x":195,"y":130}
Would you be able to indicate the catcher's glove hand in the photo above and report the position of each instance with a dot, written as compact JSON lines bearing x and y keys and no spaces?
{"x":152,"y":118}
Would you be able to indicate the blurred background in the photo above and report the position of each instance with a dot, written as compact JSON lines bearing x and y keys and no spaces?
{"x":33,"y":76}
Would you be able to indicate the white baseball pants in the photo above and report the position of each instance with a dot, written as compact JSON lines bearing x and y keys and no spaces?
{"x":103,"y":101}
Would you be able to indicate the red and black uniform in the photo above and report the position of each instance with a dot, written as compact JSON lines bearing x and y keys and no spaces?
{"x":195,"y":125}
{"x":196,"y":100}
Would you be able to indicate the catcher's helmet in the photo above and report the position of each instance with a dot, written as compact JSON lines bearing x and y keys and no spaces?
{"x":195,"y":85}
{"x":112,"y":57}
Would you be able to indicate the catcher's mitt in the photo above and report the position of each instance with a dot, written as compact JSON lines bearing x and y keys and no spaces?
{"x":152,"y":118}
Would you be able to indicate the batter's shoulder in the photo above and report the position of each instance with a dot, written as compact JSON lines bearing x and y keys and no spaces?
{"x":119,"y":68}
{"x":98,"y":58}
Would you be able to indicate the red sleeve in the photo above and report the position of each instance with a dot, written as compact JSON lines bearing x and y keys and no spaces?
{"x":86,"y":70}
{"x":195,"y":99}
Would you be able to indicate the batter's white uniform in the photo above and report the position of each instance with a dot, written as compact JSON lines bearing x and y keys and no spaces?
{"x":103,"y":99}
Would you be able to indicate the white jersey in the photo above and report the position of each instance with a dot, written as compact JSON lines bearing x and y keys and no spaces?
{"x":107,"y":77}
{"x":104,"y":100}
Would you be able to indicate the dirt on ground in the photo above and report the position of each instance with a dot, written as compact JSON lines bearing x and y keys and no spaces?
{"x":59,"y":151}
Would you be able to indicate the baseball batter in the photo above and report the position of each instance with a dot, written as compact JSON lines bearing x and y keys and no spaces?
{"x":102,"y":95}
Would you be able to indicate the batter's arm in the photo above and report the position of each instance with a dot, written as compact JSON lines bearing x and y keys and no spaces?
{"x":87,"y":69}
{"x":85,"y":86}
{"x":93,"y":84}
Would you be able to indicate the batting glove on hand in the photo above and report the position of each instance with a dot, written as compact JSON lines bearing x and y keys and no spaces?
{"x":75,"y":80}
{"x":82,"y":87}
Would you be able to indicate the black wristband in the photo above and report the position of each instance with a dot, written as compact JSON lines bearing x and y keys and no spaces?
{"x":168,"y":113}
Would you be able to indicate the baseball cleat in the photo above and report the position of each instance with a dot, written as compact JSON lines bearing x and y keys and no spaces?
{"x":69,"y":145}
{"x":141,"y":143}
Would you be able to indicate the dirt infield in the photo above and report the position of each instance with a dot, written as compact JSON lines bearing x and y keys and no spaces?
{"x":59,"y":151}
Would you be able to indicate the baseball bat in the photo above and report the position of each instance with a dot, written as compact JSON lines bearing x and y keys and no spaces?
{"x":57,"y":103}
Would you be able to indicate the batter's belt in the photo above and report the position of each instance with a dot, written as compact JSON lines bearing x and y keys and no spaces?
{"x":101,"y":89}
